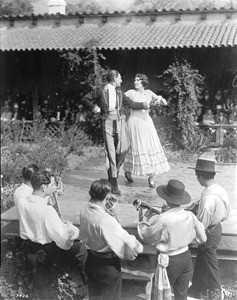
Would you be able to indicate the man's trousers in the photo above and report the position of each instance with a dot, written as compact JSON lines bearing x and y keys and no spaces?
{"x":51,"y":254}
{"x":104,"y":277}
{"x":110,"y":128}
{"x":206,"y":271}
{"x":179,"y":272}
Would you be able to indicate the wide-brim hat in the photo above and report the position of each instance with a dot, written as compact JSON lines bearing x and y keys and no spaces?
{"x":205,"y":165}
{"x":174,"y":192}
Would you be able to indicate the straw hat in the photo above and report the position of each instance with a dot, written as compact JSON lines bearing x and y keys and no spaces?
{"x":204,"y":165}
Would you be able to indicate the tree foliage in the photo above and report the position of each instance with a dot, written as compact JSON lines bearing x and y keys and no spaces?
{"x":84,"y":66}
{"x":95,"y":6}
{"x":84,"y":6}
{"x":16,"y":7}
{"x":184,"y":86}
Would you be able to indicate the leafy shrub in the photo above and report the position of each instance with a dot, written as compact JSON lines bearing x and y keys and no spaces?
{"x":51,"y":283}
{"x":74,"y":139}
{"x":184,"y":86}
{"x":7,"y":193}
{"x":193,"y":144}
{"x":48,"y":147}
{"x":226,"y":155}
{"x":164,"y":130}
{"x":94,"y":129}
{"x":196,"y":143}
{"x":84,"y":66}
{"x":11,"y":131}
{"x":48,"y":154}
{"x":13,"y":159}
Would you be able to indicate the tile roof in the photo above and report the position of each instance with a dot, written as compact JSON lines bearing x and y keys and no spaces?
{"x":216,"y":32}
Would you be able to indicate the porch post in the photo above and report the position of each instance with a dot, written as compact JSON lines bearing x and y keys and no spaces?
{"x":219,"y":135}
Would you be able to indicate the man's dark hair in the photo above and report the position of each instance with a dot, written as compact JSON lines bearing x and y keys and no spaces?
{"x":144,"y":79}
{"x":39,"y":178}
{"x":27,"y":172}
{"x":111,"y":75}
{"x":206,"y":175}
{"x":100,"y":189}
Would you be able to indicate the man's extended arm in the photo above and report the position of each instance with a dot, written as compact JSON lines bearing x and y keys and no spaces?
{"x":134,"y":105}
{"x":125,"y":246}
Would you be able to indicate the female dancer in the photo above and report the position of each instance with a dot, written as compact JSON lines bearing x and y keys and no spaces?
{"x":145,"y":155}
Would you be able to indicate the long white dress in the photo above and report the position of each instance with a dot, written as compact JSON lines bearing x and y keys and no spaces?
{"x":145,"y":155}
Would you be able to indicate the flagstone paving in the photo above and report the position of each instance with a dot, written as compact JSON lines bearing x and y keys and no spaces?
{"x":77,"y":184}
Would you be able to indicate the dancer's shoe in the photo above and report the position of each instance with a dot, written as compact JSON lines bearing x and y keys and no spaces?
{"x":116,"y":191}
{"x":129,"y":178}
{"x":151,"y":182}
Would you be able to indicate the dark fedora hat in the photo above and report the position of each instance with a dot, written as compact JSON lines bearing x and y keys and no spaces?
{"x":204,"y":165}
{"x":174,"y":192}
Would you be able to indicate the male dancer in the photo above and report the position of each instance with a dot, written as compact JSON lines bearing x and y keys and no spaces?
{"x":109,"y":101}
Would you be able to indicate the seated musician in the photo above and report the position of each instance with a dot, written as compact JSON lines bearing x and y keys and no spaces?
{"x":171,"y":232}
{"x":107,"y":241}
{"x":45,"y":233}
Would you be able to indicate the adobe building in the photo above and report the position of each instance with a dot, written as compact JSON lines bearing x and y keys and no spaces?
{"x":136,"y":42}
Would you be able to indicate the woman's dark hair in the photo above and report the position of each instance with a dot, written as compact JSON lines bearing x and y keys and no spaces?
{"x":100,"y":189}
{"x":39,"y":178}
{"x":27,"y":172}
{"x":206,"y":175}
{"x":144,"y":79}
{"x":111,"y":75}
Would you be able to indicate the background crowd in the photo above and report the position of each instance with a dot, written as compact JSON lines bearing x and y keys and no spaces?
{"x":217,"y":108}
{"x":221,"y":108}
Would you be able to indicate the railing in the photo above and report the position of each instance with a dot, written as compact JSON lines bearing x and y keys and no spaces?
{"x":25,"y":131}
{"x":220,"y":131}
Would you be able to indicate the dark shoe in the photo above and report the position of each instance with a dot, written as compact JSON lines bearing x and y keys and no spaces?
{"x":114,"y":184}
{"x":129,"y":178}
{"x":151,"y":182}
{"x":116,"y":191}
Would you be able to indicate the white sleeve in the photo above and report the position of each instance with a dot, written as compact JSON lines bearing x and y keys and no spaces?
{"x":126,"y":246}
{"x":62,"y":234}
{"x":157,"y":99}
{"x":154,"y":233}
{"x":200,"y":230}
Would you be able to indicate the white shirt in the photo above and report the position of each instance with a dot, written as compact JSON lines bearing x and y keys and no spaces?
{"x":23,"y":191}
{"x":41,"y":224}
{"x":112,"y":97}
{"x":172,"y":231}
{"x":214,"y":206}
{"x":102,"y":233}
